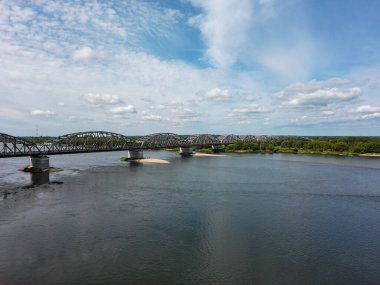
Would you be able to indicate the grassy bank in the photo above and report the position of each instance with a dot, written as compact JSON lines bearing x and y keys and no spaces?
{"x":234,"y":149}
{"x":302,"y":151}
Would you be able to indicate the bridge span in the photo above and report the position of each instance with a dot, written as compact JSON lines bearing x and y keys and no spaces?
{"x":101,"y":141}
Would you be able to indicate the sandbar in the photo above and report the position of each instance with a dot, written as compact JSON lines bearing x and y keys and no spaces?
{"x":370,"y":154}
{"x":208,"y":155}
{"x":152,"y":161}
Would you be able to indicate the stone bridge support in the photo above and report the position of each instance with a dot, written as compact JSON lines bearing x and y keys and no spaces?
{"x":185,"y":151}
{"x":135,"y":154}
{"x":39,"y":163}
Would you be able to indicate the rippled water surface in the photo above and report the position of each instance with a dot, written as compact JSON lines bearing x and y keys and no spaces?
{"x":241,"y":219}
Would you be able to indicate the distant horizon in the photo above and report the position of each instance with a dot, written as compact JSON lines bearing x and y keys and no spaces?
{"x":265,"y":67}
{"x":214,"y":134}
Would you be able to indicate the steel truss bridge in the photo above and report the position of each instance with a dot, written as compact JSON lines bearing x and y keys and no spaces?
{"x":99,"y":141}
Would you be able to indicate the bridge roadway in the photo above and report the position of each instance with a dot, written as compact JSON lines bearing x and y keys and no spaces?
{"x":100,"y":141}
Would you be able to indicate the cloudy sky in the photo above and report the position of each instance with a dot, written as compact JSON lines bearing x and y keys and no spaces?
{"x":190,"y":66}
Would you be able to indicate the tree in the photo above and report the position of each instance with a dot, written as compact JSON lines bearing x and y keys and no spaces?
{"x":340,"y":146}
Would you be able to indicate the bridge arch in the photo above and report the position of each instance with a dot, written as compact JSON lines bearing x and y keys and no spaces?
{"x":90,"y":140}
{"x":203,"y":139}
{"x":229,"y":139}
{"x":163,"y":140}
{"x":248,"y":138}
{"x":16,"y":146}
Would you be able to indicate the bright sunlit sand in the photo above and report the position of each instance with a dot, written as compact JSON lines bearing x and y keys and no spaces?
{"x":370,"y":154}
{"x":152,"y":161}
{"x":209,"y":155}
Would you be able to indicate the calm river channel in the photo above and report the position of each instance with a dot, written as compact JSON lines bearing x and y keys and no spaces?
{"x":238,"y":219}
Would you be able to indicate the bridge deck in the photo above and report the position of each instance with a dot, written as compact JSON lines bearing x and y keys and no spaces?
{"x":87,"y":142}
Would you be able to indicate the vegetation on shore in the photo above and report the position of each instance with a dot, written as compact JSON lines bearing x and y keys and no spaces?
{"x":308,"y":145}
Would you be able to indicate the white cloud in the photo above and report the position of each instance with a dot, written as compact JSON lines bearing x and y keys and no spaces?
{"x":172,"y":14}
{"x":367,"y":112}
{"x":15,"y":13}
{"x":87,"y":54}
{"x":371,"y":116}
{"x":224,"y":26}
{"x":245,"y":115}
{"x":157,"y":107}
{"x":47,"y":113}
{"x":100,"y":100}
{"x":130,"y":109}
{"x":323,"y":97}
{"x":184,"y":115}
{"x":290,"y":62}
{"x":248,"y":97}
{"x":76,"y":119}
{"x":217,"y":94}
{"x":317,"y":94}
{"x":366,"y":109}
{"x":7,"y":113}
{"x":328,"y":113}
{"x":42,"y":52}
{"x":250,"y":109}
{"x":314,"y":85}
{"x":152,"y":118}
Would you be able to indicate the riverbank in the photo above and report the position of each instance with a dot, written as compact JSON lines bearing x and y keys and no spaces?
{"x":198,"y":154}
{"x":295,"y":151}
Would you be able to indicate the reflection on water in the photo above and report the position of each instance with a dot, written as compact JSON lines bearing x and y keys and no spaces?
{"x":242,"y":219}
{"x":40,"y":178}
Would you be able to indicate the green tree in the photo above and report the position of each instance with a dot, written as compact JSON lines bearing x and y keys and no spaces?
{"x":340,"y":146}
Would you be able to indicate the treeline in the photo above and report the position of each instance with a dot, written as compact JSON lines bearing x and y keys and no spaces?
{"x":354,"y":145}
{"x":39,"y":140}
{"x":310,"y":144}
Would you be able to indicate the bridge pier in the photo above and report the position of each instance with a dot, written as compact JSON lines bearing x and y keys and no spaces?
{"x":217,"y":148}
{"x":185,"y":151}
{"x":39,"y":163}
{"x":39,"y":178}
{"x":135,"y":154}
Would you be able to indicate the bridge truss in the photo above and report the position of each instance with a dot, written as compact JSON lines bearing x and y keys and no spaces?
{"x":99,"y":141}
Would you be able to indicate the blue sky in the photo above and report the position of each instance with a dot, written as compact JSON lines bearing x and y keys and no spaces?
{"x":190,"y":66}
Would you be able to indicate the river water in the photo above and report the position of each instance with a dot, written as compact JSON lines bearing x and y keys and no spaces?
{"x":239,"y":219}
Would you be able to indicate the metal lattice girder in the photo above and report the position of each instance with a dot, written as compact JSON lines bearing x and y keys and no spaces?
{"x":248,"y":138}
{"x":14,"y":146}
{"x":264,"y":138}
{"x":96,"y":141}
{"x":163,"y":140}
{"x":203,"y":139}
{"x":91,"y":141}
{"x":229,"y":139}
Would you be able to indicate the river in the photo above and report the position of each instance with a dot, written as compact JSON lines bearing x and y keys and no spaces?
{"x":239,"y":219}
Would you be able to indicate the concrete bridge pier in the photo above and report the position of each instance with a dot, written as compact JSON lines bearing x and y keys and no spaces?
{"x":39,"y":163}
{"x":185,"y":151}
{"x":135,"y":154}
{"x":217,"y":148}
{"x":39,"y":178}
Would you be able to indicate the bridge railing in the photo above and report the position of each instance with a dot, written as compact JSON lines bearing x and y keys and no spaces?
{"x":94,"y":141}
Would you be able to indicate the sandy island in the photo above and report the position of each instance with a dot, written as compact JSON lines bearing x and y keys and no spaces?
{"x":208,"y":155}
{"x":162,"y":161}
{"x":370,"y":154}
{"x":151,"y":161}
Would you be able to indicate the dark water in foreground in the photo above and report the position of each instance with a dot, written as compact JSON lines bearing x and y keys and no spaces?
{"x":244,"y":219}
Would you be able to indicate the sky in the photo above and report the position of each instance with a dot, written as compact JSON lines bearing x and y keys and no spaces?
{"x":135,"y":67}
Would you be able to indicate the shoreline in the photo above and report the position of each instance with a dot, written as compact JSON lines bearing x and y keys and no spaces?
{"x":202,"y":154}
{"x":374,"y":155}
